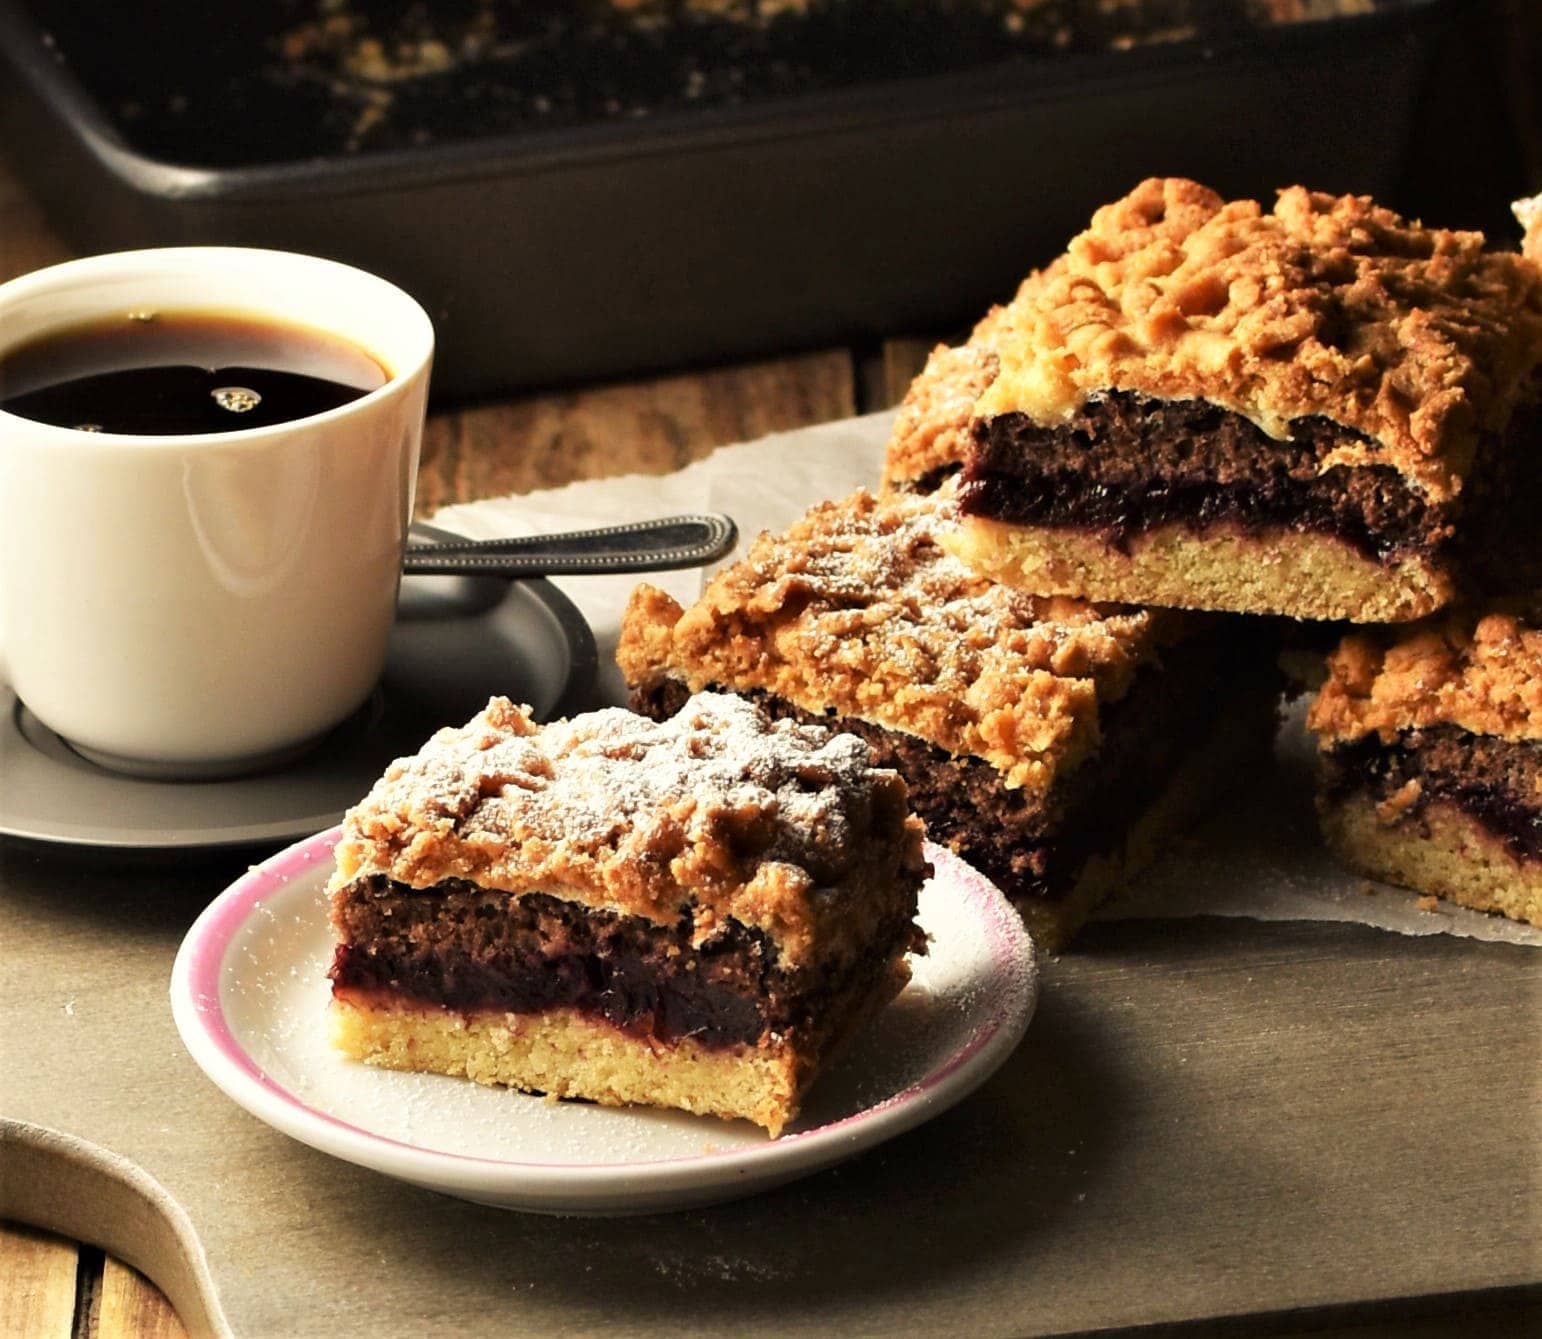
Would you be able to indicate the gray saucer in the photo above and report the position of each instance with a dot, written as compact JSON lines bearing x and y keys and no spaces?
{"x":457,"y":641}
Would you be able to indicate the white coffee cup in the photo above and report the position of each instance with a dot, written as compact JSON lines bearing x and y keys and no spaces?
{"x":207,"y":604}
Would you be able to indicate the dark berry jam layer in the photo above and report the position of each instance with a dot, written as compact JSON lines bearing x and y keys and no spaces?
{"x":1494,"y":781}
{"x":1126,"y":464}
{"x":462,"y":947}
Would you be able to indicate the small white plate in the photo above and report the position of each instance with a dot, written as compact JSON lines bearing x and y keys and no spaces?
{"x":249,"y":992}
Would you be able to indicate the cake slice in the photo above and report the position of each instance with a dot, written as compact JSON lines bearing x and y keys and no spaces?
{"x":1307,"y":411}
{"x":1430,"y":746}
{"x":684,"y":914}
{"x":1049,"y":742}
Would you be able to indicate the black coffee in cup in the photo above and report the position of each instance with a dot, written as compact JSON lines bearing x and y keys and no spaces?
{"x":170,"y":373}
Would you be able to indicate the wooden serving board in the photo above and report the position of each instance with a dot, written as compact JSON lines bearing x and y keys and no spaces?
{"x":1208,"y":1119}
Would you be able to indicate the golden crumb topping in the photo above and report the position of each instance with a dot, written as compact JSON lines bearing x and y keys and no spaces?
{"x":1420,"y":339}
{"x":932,"y":429}
{"x":1483,"y":674}
{"x":858,"y":610}
{"x":715,"y":813}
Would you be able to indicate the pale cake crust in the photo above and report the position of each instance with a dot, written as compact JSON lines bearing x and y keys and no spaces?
{"x":1420,"y":339}
{"x":1483,"y":674}
{"x":1442,"y":851}
{"x":1223,"y":569}
{"x":567,"y":1054}
{"x":857,"y":609}
{"x":714,"y":814}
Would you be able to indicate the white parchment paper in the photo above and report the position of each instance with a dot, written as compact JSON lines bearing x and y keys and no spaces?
{"x":1260,"y":858}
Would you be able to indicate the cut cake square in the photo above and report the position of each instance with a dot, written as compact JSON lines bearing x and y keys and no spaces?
{"x":1430,"y":759}
{"x":685,"y":914}
{"x":1308,"y":411}
{"x":1050,"y":742}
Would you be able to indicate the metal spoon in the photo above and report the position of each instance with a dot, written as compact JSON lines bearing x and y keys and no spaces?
{"x":662,"y":545}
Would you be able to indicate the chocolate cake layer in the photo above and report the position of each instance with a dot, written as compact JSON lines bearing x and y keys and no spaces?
{"x":462,"y":947}
{"x":1497,"y":782}
{"x":1125,"y":464}
{"x":1034,"y":845}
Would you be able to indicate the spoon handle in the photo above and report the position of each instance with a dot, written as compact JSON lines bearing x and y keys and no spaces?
{"x":661,"y":545}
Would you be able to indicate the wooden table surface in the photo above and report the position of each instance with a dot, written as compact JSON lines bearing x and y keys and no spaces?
{"x":53,"y":1287}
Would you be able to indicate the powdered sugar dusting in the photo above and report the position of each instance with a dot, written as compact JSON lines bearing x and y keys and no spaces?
{"x":718,"y":805}
{"x":720,"y":752}
{"x":589,"y":780}
{"x":858,"y":609}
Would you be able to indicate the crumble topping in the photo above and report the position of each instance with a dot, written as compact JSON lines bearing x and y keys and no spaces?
{"x":1483,"y":674}
{"x":716,"y":813}
{"x":1418,"y":338}
{"x":856,"y":609}
{"x":931,"y":432}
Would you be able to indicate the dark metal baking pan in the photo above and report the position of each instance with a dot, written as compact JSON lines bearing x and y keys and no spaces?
{"x":551,"y":256}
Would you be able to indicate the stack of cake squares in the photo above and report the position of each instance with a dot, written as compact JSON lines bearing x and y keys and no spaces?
{"x":1204,"y":429}
{"x":1206,"y":424}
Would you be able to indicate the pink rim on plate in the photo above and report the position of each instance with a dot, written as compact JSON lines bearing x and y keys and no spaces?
{"x":203,"y":968}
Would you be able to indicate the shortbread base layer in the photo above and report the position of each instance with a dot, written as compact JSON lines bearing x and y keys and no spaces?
{"x":1440,"y":850}
{"x":1298,"y":575}
{"x":566,"y":1054}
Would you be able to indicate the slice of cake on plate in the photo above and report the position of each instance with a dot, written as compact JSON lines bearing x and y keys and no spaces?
{"x":1049,"y":742}
{"x":1204,"y":404}
{"x":1430,"y":744}
{"x":685,"y":914}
